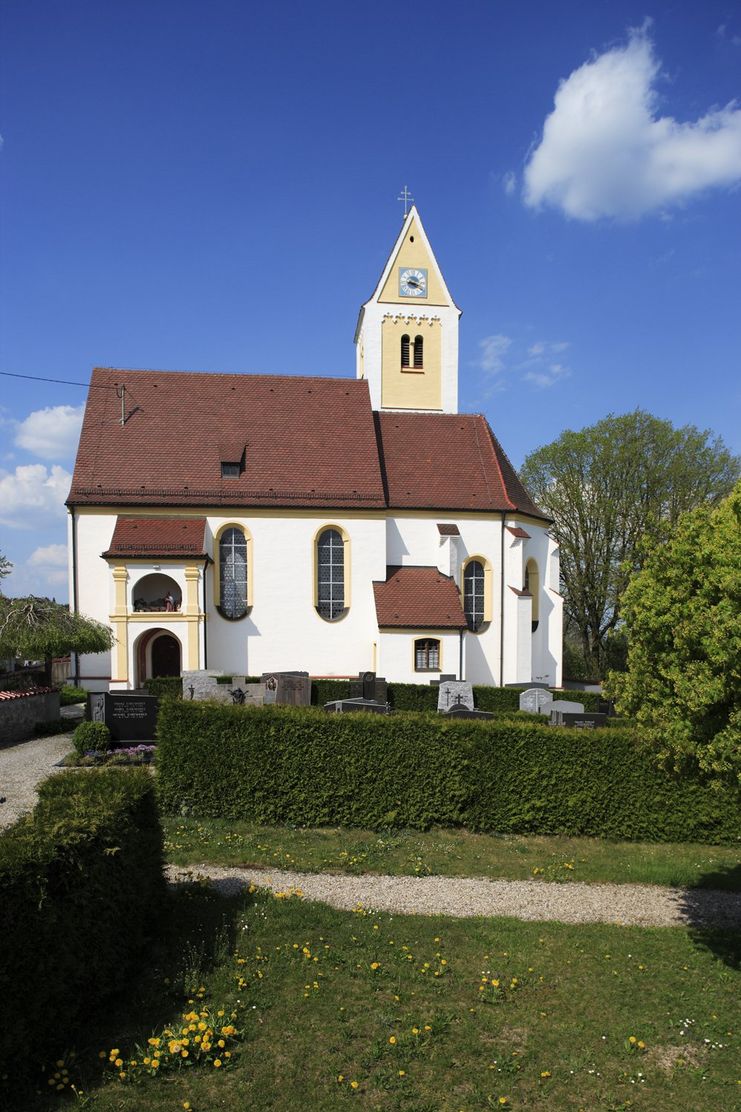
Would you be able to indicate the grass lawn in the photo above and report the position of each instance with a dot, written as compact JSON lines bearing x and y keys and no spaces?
{"x":342,"y":1010}
{"x":450,"y":853}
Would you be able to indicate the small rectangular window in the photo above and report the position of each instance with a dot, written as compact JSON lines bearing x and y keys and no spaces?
{"x":230,"y":470}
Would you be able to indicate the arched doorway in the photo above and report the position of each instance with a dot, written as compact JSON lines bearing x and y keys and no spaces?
{"x":158,"y":653}
{"x":165,"y":656}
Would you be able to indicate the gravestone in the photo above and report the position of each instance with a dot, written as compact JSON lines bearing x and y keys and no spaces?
{"x":292,"y":689}
{"x":588,"y":721}
{"x":454,"y":693}
{"x":369,"y":686}
{"x":345,"y":706}
{"x":536,"y":701}
{"x":129,"y":716}
{"x":560,"y":707}
{"x":201,"y":684}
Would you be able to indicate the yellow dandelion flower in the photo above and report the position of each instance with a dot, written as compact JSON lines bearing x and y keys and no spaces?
{"x":375,"y":964}
{"x":402,"y":1073}
{"x":545,"y":1073}
{"x":340,"y":1077}
{"x":392,"y":1040}
{"x":354,"y":1084}
{"x":217,"y":1063}
{"x":118,"y":1063}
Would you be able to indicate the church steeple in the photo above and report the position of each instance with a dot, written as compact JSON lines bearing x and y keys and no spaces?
{"x":407,"y":334}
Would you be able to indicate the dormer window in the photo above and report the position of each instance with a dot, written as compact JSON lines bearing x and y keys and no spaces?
{"x":230,"y":470}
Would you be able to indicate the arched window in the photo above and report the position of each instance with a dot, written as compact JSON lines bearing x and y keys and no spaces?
{"x":405,"y":350}
{"x":427,"y":655}
{"x":532,"y":586}
{"x":330,"y":573}
{"x":418,"y":352}
{"x":233,"y":573}
{"x":474,"y":592}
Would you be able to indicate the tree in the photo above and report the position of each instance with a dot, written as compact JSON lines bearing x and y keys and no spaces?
{"x":39,"y":628}
{"x":5,"y":566}
{"x":608,"y":488}
{"x":683,"y":684}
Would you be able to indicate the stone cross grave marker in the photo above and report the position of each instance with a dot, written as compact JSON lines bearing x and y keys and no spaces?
{"x":454,"y":693}
{"x":536,"y":701}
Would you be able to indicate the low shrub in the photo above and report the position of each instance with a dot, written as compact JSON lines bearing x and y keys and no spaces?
{"x":81,"y":885}
{"x":275,"y":765}
{"x":69,"y":695}
{"x":91,"y":735}
{"x":165,"y":687}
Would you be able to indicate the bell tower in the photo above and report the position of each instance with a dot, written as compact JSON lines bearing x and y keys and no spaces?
{"x":407,"y":335}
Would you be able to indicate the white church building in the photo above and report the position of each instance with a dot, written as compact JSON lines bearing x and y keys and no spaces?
{"x":251,"y":523}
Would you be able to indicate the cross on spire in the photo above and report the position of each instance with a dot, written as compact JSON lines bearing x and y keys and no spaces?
{"x":406,"y":197}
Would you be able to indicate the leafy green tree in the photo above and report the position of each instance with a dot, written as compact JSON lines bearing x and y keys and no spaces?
{"x":5,"y":566}
{"x":608,"y":488}
{"x":38,"y":629}
{"x":683,"y":683}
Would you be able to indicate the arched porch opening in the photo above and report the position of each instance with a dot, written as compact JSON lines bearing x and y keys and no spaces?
{"x":158,"y":653}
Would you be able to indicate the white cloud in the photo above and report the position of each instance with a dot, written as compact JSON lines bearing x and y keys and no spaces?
{"x":32,"y":492}
{"x":493,"y":349}
{"x":605,"y":151}
{"x":51,"y":433}
{"x":49,"y":556}
{"x":546,"y":376}
{"x":509,"y":181}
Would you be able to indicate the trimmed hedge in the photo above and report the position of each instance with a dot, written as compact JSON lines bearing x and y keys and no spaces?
{"x":276,"y":765}
{"x":422,"y":697}
{"x":81,"y":883}
{"x":165,"y":686}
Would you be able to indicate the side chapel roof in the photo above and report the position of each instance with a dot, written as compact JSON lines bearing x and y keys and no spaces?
{"x":418,"y":598}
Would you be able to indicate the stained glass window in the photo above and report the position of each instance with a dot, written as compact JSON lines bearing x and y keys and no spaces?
{"x":330,"y":574}
{"x":473,"y":593}
{"x":233,"y":573}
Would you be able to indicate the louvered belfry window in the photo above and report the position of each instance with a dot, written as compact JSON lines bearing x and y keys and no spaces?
{"x":233,"y":573}
{"x":405,"y":351}
{"x":473,"y":593}
{"x":330,"y":574}
{"x":427,"y":655}
{"x":419,"y":351}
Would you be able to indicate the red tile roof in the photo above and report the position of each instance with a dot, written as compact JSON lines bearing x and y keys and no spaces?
{"x":5,"y":695}
{"x":448,"y":461}
{"x":306,"y":442}
{"x":518,"y":531}
{"x":418,"y":598}
{"x":162,"y":537}
{"x":448,"y":530}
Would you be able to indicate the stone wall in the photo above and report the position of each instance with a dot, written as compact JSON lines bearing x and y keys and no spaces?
{"x":21,"y":711}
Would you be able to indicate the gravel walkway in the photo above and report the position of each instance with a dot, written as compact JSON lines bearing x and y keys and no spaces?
{"x":627,"y":904}
{"x":23,"y":766}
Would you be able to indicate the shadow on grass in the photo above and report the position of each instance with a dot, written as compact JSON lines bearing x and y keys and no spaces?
{"x":712,"y":909}
{"x":196,"y":933}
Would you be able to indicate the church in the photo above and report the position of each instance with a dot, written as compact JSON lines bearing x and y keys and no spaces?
{"x":245,"y":523}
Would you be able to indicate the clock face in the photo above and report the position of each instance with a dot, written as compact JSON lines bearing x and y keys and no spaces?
{"x":412,"y":282}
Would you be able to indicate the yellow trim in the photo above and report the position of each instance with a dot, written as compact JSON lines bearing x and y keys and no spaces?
{"x":488,"y":582}
{"x":347,"y":558}
{"x":120,"y":658}
{"x":411,"y":387}
{"x":428,"y":637}
{"x":120,"y":579}
{"x":232,"y":524}
{"x":192,"y":578}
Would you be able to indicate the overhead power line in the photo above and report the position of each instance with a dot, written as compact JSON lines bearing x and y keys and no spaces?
{"x":61,"y":381}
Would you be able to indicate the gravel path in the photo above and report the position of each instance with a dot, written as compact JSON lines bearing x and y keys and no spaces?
{"x":22,"y":767}
{"x":627,"y":904}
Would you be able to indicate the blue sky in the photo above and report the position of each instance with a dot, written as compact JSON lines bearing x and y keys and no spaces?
{"x":213,"y":187}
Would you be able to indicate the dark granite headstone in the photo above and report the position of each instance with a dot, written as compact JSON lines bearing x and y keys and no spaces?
{"x":130,"y":716}
{"x":369,"y":686}
{"x":459,"y":710}
{"x":588,"y":721}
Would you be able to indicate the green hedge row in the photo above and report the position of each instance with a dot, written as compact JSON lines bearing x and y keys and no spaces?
{"x":421,"y":697}
{"x":281,"y":765}
{"x":81,"y":883}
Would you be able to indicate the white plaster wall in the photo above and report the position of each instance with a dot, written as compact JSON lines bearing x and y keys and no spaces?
{"x":396,"y":654}
{"x":94,"y":588}
{"x":283,"y":630}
